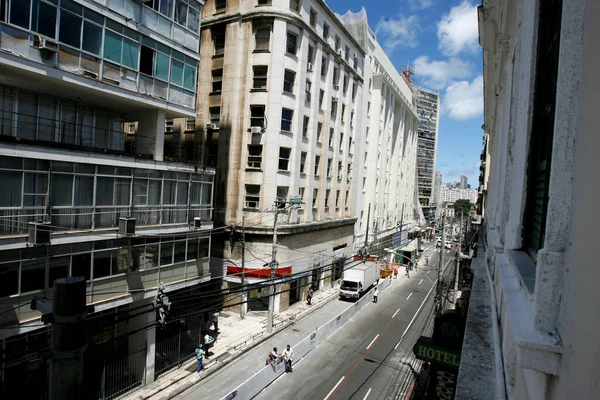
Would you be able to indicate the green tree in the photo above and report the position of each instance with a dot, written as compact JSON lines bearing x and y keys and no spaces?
{"x":463,"y":206}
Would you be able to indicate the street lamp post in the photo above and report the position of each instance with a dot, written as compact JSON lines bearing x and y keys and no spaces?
{"x":274,"y":265}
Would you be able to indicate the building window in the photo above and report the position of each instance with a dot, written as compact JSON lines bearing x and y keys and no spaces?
{"x":217,"y":80}
{"x":282,"y":195}
{"x":307,"y":93}
{"x":323,"y":67}
{"x":317,"y":161}
{"x":319,"y":130}
{"x":325,"y":32}
{"x":336,"y":77}
{"x":219,"y":42}
{"x":337,"y":43}
{"x":315,"y":197}
{"x":260,"y":77}
{"x":341,"y":141}
{"x":345,"y":84}
{"x":288,"y":81}
{"x":302,"y":162}
{"x":284,"y":158}
{"x":313,"y":18}
{"x":347,"y":50}
{"x":310,"y":56}
{"x":301,"y":193}
{"x":264,"y":2}
{"x":215,"y":115}
{"x":354,"y":87}
{"x":329,"y":163}
{"x":343,"y":113}
{"x":252,"y":196}
{"x":190,"y":124}
{"x":352,"y":119}
{"x":321,"y":96}
{"x":542,"y":129}
{"x":337,"y":199}
{"x":349,"y":170}
{"x":327,"y":193}
{"x":286,"y":119}
{"x":292,"y":43}
{"x":346,"y":198}
{"x":257,"y":115}
{"x":255,"y":156}
{"x":340,"y":171}
{"x":262,"y":38}
{"x":220,"y":6}
{"x":334,"y":103}
{"x":295,"y":5}
{"x":305,"y":127}
{"x":331,"y":132}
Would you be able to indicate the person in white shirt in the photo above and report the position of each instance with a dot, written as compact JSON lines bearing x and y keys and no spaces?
{"x":375,"y":294}
{"x":288,"y":357}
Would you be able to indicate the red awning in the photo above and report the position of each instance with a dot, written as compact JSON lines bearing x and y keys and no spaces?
{"x":260,"y":273}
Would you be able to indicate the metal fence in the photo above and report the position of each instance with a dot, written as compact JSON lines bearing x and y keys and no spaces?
{"x":173,"y":351}
{"x":123,"y":375}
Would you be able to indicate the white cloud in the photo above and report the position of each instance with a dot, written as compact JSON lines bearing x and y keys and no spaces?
{"x":457,"y":30}
{"x":464,"y":100}
{"x":419,"y":4}
{"x":439,"y":74}
{"x":398,"y":32}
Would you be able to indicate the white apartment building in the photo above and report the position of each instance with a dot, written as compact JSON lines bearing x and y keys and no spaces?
{"x":428,"y":106}
{"x":74,"y":76}
{"x":280,"y":105}
{"x":453,"y":194}
{"x":388,"y":149}
{"x":535,"y":290}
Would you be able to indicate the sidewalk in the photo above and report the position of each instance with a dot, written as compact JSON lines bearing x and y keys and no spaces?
{"x":247,"y":343}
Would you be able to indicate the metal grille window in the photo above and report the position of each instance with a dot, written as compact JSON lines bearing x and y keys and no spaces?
{"x":260,"y":77}
{"x":544,"y":103}
{"x":217,"y":80}
{"x":263,"y":38}
{"x":302,"y":162}
{"x":252,"y":196}
{"x":286,"y":119}
{"x":305,"y":124}
{"x":284,"y":158}
{"x":255,"y":156}
{"x":292,"y":43}
{"x":257,"y":115}
{"x":289,"y":78}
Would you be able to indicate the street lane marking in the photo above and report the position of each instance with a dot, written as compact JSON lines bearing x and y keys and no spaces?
{"x":421,"y":281}
{"x":334,"y":388}
{"x":393,"y":316}
{"x":367,"y":395}
{"x":398,"y":344}
{"x":372,"y":341}
{"x":414,"y":316}
{"x":409,"y":296}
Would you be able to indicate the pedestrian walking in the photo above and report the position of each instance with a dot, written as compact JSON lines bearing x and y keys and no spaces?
{"x":288,"y":357}
{"x":426,"y":260}
{"x":208,"y":340}
{"x":310,"y":295}
{"x":199,"y":355}
{"x":395,"y":273}
{"x":215,"y":321}
{"x":375,"y":294}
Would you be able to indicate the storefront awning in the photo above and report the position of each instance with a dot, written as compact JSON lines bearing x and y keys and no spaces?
{"x":258,"y":273}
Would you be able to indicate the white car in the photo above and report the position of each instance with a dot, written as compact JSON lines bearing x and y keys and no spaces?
{"x":449,"y":245}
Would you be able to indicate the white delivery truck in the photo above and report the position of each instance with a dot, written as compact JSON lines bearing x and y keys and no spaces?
{"x":359,"y":279}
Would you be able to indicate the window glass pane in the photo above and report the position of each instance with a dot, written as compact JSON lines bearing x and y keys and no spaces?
{"x":122,"y":192}
{"x":151,"y":256}
{"x":92,"y":37}
{"x":43,"y":19}
{"x":182,"y":193}
{"x":121,"y":260}
{"x":166,"y":7}
{"x":102,"y":261}
{"x":62,"y":190}
{"x":189,"y":81}
{"x":154,"y":192}
{"x":179,"y":252}
{"x":105,"y":191}
{"x":112,"y":46}
{"x":176,"y":72}
{"x":93,"y":16}
{"x":9,"y":279}
{"x":19,"y":13}
{"x":169,"y":192}
{"x":204,"y":247}
{"x":84,"y":190}
{"x":193,"y":22}
{"x":161,"y":66}
{"x":81,"y":265}
{"x":131,"y":52}
{"x":192,"y":249}
{"x":140,"y":192}
{"x":71,"y":6}
{"x":10,"y":195}
{"x":70,"y":29}
{"x":166,"y":253}
{"x":206,"y":194}
{"x":180,"y":12}
{"x":59,"y":268}
{"x":33,"y":275}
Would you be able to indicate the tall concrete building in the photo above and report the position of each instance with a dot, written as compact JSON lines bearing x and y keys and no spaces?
{"x":75,"y":78}
{"x":428,"y":105}
{"x":281,"y":105}
{"x":534,"y":301}
{"x":437,"y":192}
{"x":463,"y":182}
{"x":387,"y":149}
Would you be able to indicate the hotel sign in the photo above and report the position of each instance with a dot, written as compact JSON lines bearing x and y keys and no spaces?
{"x":427,"y":351}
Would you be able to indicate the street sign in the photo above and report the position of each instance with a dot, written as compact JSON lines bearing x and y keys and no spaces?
{"x":425,"y":350}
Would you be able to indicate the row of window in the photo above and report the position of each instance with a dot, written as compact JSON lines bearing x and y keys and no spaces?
{"x":36,"y":268}
{"x":252,"y":197}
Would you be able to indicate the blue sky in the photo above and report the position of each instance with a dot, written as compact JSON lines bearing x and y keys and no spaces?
{"x":440,"y":41}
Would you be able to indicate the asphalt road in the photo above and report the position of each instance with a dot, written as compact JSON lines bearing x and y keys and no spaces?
{"x":366,"y":358}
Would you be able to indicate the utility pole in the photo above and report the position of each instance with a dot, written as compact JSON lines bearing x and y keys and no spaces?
{"x":458,"y":255}
{"x":439,"y":296}
{"x":243,"y":305}
{"x":367,"y":231}
{"x":274,"y":265}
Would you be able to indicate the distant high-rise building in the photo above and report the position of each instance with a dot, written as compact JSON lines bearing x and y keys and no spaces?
{"x":463,"y":182}
{"x":428,"y":104}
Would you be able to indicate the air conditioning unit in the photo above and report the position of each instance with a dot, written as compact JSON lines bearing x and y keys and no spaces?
{"x":39,"y":233}
{"x":197,"y":223}
{"x":256,"y":129}
{"x":309,"y":67}
{"x":126,"y":226}
{"x":42,"y":43}
{"x":214,"y":127}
